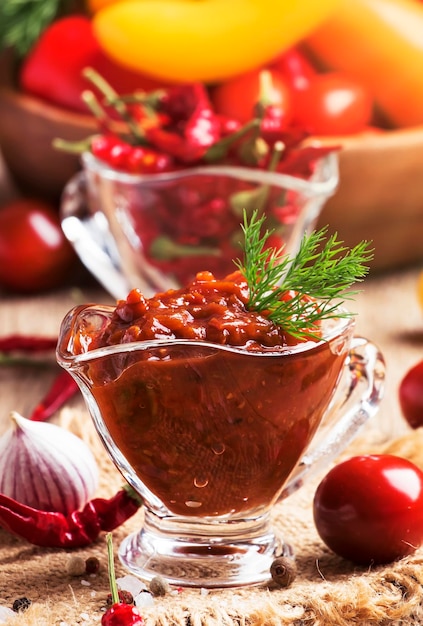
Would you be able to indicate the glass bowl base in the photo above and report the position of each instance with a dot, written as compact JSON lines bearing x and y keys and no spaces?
{"x":201,"y":560}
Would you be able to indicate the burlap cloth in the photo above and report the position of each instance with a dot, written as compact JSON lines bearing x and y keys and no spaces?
{"x":327,"y":590}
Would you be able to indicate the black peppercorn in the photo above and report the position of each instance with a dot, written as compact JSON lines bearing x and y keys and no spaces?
{"x":283,"y":571}
{"x":21,"y":604}
{"x":159,"y":586}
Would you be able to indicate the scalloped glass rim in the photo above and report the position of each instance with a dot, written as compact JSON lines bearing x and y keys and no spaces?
{"x":335,"y":328}
{"x":323,"y":182}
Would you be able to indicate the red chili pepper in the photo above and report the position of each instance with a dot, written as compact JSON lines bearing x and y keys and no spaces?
{"x":302,"y":162}
{"x":127,"y":158}
{"x":193,"y":128}
{"x":62,"y":389}
{"x":81,"y":528}
{"x":200,"y":133}
{"x":25,"y":343}
{"x":179,"y":102}
{"x":143,"y":160}
{"x":63,"y":386}
{"x":53,"y":69}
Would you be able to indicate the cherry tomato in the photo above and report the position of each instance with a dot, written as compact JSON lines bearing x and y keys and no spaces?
{"x":410,"y":394}
{"x":369,"y":508}
{"x":34,"y":253}
{"x":333,"y":104}
{"x":237,"y":98}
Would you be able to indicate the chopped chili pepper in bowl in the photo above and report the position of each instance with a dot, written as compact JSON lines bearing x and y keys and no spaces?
{"x":164,"y":200}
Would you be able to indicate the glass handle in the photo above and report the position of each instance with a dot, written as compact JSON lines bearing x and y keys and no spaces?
{"x":356,"y":400}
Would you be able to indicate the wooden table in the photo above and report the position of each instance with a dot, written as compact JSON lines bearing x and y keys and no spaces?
{"x":388,"y":313}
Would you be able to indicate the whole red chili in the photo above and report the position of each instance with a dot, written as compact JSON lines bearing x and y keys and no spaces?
{"x":27,"y":343}
{"x":134,"y":159}
{"x":178,"y":102}
{"x":79,"y":529}
{"x":62,"y":389}
{"x":25,"y":349}
{"x":53,"y":69}
{"x":301,"y":162}
{"x":193,"y":127}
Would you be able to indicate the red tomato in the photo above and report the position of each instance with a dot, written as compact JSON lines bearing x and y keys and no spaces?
{"x":34,"y":253}
{"x":237,"y":98}
{"x":369,"y":509}
{"x":333,"y":104}
{"x":410,"y":394}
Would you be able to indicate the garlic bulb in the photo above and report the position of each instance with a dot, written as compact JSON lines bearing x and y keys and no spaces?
{"x":45,"y":466}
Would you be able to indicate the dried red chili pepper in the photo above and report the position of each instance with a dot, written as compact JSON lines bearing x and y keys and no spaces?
{"x":193,"y":127}
{"x":81,"y":528}
{"x":301,"y":162}
{"x":62,"y":389}
{"x":180,"y":101}
{"x":134,"y":159}
{"x":26,"y":343}
{"x":199,"y":134}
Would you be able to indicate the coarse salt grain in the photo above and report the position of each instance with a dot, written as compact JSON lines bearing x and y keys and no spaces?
{"x":144,"y":600}
{"x":131,"y":584}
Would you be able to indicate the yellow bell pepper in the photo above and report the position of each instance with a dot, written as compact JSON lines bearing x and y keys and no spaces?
{"x":202,"y":40}
{"x":379,"y":42}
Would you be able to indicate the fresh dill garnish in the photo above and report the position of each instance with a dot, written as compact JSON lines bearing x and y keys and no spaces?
{"x":320,"y":277}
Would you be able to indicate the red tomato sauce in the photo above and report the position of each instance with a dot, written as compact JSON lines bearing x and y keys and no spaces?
{"x":207,"y":310}
{"x":210,"y":431}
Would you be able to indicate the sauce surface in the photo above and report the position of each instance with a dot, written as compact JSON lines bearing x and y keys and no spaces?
{"x":207,"y":310}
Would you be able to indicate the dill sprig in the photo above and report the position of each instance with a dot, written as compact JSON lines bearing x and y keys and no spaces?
{"x":320,"y":276}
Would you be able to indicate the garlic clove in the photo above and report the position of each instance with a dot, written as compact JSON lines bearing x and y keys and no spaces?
{"x":45,"y":466}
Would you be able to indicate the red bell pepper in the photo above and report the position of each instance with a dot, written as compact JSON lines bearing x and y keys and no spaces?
{"x":53,"y":68}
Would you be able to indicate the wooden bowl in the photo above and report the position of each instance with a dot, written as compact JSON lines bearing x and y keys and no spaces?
{"x":380,"y":196}
{"x":27,"y":130}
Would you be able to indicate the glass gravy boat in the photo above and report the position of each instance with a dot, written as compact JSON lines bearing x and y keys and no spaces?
{"x":212,"y":437}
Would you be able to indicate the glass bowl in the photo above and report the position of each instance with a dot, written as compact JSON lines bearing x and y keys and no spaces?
{"x":155,"y":232}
